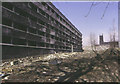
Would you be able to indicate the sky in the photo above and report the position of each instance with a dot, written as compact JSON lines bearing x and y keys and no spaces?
{"x":76,"y":13}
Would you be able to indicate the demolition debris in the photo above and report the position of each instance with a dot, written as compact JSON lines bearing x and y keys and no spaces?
{"x":86,"y":66}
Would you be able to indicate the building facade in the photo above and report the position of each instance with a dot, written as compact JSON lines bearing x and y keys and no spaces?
{"x":33,"y":28}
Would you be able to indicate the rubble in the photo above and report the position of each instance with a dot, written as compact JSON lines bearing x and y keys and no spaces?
{"x":14,"y":62}
{"x":60,"y":67}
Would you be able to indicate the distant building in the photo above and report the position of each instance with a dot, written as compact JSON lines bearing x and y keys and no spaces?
{"x":101,"y":42}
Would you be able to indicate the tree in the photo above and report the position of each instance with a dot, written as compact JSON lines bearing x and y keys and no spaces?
{"x":113,"y":36}
{"x":93,"y":41}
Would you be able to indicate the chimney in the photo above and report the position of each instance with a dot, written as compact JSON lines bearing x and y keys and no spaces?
{"x":101,"y":41}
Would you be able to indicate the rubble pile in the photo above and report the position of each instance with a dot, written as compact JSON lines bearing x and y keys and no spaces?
{"x":84,"y":66}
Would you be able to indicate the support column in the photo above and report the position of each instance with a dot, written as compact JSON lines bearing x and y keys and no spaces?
{"x":71,"y":48}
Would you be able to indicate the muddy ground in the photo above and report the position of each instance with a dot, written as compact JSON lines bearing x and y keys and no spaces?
{"x":87,"y":66}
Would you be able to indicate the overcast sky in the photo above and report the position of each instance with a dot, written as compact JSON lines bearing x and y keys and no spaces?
{"x":76,"y":12}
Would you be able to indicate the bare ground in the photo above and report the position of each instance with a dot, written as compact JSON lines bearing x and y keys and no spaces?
{"x":87,"y":66}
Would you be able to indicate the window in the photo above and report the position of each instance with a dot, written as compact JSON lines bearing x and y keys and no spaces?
{"x":47,"y":25}
{"x":21,"y":12}
{"x":52,"y":46}
{"x":43,"y":3}
{"x":7,"y":5}
{"x":53,"y":37}
{"x":33,"y":18}
{"x":32,"y":6}
{"x":41,"y":22}
{"x":52,"y":19}
{"x":41,"y":33}
{"x":41,"y":44}
{"x":18,"y":41}
{"x":6,"y":22}
{"x":42,"y":12}
{"x":48,"y":8}
{"x":20,"y":27}
{"x":52,"y":11}
{"x":64,"y":21}
{"x":6,"y":31}
{"x":57,"y":15}
{"x":6,"y":39}
{"x":47,"y":35}
{"x":31,"y":43}
{"x":47,"y":45}
{"x":60,"y":19}
{"x":55,"y":21}
{"x":47,"y":16}
{"x":32,"y":30}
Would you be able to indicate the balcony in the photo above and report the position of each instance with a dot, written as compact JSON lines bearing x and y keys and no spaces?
{"x":19,"y":34}
{"x":47,"y":40}
{"x":43,"y":39}
{"x":52,"y":41}
{"x":12,"y":15}
{"x":6,"y":31}
{"x":33,"y":37}
{"x":32,"y":24}
{"x":52,"y":32}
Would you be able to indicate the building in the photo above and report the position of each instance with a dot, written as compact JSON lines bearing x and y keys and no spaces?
{"x":113,"y":43}
{"x":33,"y":28}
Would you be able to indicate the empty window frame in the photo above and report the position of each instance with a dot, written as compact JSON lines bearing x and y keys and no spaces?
{"x":32,"y":30}
{"x":20,"y":26}
{"x":32,"y":18}
{"x":7,"y":5}
{"x":18,"y":41}
{"x":55,"y":21}
{"x":47,"y":16}
{"x":60,"y":19}
{"x":41,"y":44}
{"x":48,"y":35}
{"x":52,"y":28}
{"x":43,"y":3}
{"x":52,"y":36}
{"x":41,"y":33}
{"x":52,"y":11}
{"x":41,"y":12}
{"x":48,"y":26}
{"x":6,"y":39}
{"x":56,"y":46}
{"x":41,"y":22}
{"x":6,"y":22}
{"x":32,"y":6}
{"x":6,"y":31}
{"x":31,"y":43}
{"x":47,"y":45}
{"x":57,"y":15}
{"x":21,"y":12}
{"x":48,"y":8}
{"x":52,"y":46}
{"x":52,"y":19}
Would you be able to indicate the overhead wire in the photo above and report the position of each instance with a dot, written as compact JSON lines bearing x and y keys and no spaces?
{"x":90,"y":9}
{"x":105,"y":10}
